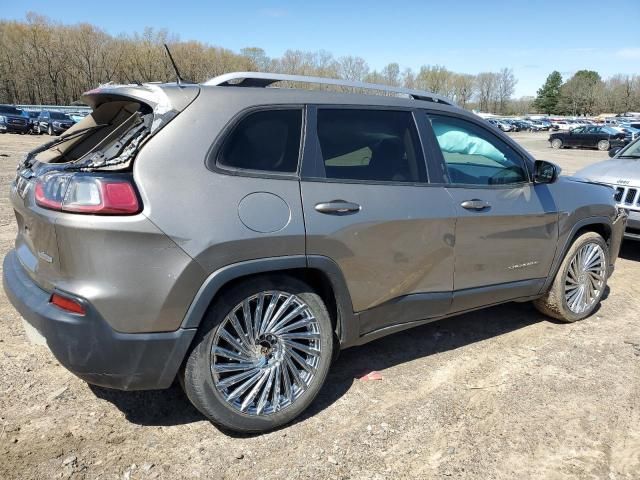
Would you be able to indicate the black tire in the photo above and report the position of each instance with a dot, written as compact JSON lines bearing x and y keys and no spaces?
{"x":50,"y":131}
{"x":554,"y":302}
{"x":557,"y":143}
{"x":198,"y":379}
{"x":603,"y":145}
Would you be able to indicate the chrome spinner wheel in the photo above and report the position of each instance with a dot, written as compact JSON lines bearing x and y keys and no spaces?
{"x":265,"y":353}
{"x":585,"y":278}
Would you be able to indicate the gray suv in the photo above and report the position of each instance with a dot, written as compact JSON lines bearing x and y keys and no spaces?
{"x":235,"y":237}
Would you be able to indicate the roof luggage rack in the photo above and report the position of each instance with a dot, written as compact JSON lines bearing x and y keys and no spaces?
{"x":260,"y":79}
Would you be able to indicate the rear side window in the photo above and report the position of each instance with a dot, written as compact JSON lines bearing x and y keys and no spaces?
{"x":266,"y":141}
{"x":475,"y":156}
{"x":370,"y":145}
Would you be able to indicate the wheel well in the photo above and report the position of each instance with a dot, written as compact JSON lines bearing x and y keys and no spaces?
{"x":315,"y":278}
{"x":600,"y":228}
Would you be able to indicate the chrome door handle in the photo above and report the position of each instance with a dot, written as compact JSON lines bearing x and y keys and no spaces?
{"x":338,"y":207}
{"x":475,"y":204}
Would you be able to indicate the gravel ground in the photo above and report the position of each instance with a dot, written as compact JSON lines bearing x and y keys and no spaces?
{"x":501,"y":393}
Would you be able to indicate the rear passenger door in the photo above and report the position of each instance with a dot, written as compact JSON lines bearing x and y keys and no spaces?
{"x":369,"y":207}
{"x":507,"y":226}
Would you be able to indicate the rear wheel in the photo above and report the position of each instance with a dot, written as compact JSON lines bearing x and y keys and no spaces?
{"x":261,"y":355}
{"x":580,"y":282}
{"x":556,"y":143}
{"x":603,"y":145}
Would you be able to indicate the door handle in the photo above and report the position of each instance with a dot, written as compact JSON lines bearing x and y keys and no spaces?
{"x":475,"y":204}
{"x":338,"y":207}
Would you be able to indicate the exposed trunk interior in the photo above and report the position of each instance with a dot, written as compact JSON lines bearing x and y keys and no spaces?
{"x":117,"y":116}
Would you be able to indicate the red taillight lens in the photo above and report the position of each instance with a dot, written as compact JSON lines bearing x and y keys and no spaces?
{"x":67,"y":304}
{"x":82,"y":193}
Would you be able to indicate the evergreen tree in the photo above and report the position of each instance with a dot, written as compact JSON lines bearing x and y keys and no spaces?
{"x":549,"y":94}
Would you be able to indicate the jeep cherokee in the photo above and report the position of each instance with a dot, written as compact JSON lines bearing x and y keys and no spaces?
{"x":235,"y":237}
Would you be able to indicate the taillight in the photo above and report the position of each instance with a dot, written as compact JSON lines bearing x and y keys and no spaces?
{"x":87,"y":193}
{"x":67,"y":304}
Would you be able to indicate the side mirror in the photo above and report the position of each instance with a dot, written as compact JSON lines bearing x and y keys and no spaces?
{"x":545,"y":172}
{"x":614,"y":151}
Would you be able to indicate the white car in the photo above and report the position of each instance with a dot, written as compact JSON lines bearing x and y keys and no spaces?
{"x":563,"y":125}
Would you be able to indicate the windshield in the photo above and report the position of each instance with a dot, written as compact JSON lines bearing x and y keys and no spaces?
{"x":610,"y":130}
{"x":632,"y":150}
{"x":59,"y":116}
{"x":10,"y":110}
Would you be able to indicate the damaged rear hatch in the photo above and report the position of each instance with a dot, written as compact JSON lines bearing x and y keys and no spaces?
{"x":87,"y":171}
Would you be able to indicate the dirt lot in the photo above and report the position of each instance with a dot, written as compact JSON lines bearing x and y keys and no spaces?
{"x":502,"y":393}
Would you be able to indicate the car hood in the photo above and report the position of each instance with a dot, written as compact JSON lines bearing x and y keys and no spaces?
{"x":623,"y":171}
{"x":12,"y":115}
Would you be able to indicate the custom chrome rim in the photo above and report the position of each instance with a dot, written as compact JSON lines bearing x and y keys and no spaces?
{"x":585,"y":278}
{"x":265,"y":353}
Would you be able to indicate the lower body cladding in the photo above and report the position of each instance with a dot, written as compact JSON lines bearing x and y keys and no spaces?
{"x":88,"y":347}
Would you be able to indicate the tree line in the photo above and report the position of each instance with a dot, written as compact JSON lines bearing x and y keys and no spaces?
{"x":586,"y":93}
{"x":46,"y":62}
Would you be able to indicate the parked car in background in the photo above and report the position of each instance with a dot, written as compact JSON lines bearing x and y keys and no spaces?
{"x":600,"y":137}
{"x":53,"y":123}
{"x":32,"y":116}
{"x":12,"y":120}
{"x":504,"y":126}
{"x":528,"y":125}
{"x":631,"y":132}
{"x":77,"y":116}
{"x":543,"y":124}
{"x":540,"y":123}
{"x":622,"y":172}
{"x":564,"y":125}
{"x":320,"y":238}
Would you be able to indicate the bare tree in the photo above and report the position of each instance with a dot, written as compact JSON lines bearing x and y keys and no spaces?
{"x":486,"y":88}
{"x":505,"y":87}
{"x":42,"y":61}
{"x":463,"y":88}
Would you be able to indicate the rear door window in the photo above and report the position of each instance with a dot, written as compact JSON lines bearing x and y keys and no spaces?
{"x":267,"y":140}
{"x":475,"y":156}
{"x":370,"y":145}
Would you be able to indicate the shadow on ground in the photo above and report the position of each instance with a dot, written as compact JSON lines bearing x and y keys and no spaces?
{"x":630,"y":250}
{"x":154,"y":407}
{"x":171,"y":407}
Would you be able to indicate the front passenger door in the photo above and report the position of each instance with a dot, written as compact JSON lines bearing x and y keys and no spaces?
{"x":577,"y":137}
{"x":507,"y":226}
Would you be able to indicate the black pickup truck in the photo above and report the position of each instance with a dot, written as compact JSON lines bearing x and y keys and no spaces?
{"x":12,"y":120}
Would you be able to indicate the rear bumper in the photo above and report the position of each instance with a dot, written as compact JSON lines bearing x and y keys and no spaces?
{"x":88,"y":347}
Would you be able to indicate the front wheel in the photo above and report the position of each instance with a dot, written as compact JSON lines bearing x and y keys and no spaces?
{"x":580,"y":282}
{"x":261,"y":355}
{"x":603,"y":145}
{"x":50,"y":131}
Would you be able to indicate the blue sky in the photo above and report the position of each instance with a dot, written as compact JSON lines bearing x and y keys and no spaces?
{"x":533,"y":37}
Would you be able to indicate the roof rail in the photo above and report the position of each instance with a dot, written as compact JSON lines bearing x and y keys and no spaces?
{"x":260,"y":79}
